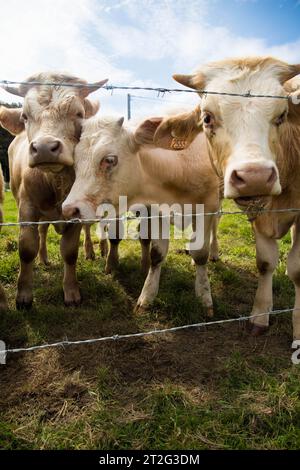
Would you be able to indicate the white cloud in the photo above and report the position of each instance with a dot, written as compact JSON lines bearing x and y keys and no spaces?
{"x":95,"y":39}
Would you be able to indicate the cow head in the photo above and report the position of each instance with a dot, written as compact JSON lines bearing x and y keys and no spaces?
{"x":242,"y":133}
{"x":107,"y":163}
{"x":52,"y":117}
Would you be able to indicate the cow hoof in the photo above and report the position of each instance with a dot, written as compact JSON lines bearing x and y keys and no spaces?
{"x":90,"y":256}
{"x":210,"y":312}
{"x":140,"y":309}
{"x":45,"y":262}
{"x":214,"y":258}
{"x":72,"y":298}
{"x":256,"y":330}
{"x":24,"y":302}
{"x":3,"y":306}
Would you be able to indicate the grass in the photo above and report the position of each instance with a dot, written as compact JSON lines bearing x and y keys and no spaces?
{"x":210,"y":389}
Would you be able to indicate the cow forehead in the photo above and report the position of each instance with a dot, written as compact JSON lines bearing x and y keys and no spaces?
{"x":260,"y":82}
{"x":39,"y":99}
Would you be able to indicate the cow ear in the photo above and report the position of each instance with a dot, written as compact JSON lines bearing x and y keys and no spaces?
{"x":10,"y":119}
{"x":289,"y":72}
{"x":144,"y":134}
{"x":292,"y":87}
{"x":91,"y":108}
{"x":178,"y":132}
{"x":196,"y":81}
{"x":87,"y":90}
{"x":171,"y":133}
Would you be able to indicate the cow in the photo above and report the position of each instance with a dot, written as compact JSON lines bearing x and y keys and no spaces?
{"x":254,"y":147}
{"x":113,"y":160}
{"x":41,"y":159}
{"x":3,"y":301}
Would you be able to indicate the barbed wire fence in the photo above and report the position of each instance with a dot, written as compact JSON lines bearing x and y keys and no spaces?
{"x":161,"y":92}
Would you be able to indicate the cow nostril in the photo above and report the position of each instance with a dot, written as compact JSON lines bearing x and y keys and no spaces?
{"x":236,"y":179}
{"x":273,"y":177}
{"x":75,"y":212}
{"x":33,"y":148}
{"x":55,"y":147}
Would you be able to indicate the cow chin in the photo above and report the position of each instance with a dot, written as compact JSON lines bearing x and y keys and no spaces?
{"x":50,"y":167}
{"x":256,"y":203}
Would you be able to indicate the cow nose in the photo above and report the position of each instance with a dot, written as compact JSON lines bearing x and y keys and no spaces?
{"x":254,"y":181}
{"x":45,"y":149}
{"x":71,"y":211}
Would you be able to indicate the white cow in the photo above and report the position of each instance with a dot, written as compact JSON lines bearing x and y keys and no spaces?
{"x":113,"y":160}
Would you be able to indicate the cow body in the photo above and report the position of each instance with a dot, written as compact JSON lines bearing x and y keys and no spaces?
{"x":254,"y":144}
{"x":113,"y":161}
{"x":41,"y":167}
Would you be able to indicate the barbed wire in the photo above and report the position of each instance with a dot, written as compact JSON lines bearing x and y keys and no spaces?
{"x":124,"y":218}
{"x":117,"y":337}
{"x":158,"y":90}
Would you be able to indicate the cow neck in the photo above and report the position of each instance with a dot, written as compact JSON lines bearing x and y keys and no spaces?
{"x":288,"y":158}
{"x":61,"y":183}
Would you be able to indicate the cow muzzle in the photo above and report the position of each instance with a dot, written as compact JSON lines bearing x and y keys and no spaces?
{"x":77,"y":210}
{"x":251,"y":181}
{"x":46,"y":152}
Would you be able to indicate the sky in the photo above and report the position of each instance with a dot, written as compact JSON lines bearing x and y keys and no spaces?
{"x":140,"y":42}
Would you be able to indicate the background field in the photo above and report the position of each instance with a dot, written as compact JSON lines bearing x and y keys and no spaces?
{"x":213,"y":388}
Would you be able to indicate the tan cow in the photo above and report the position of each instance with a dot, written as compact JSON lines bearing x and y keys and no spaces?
{"x":254,"y":144}
{"x":41,"y":166}
{"x":111,"y":160}
{"x":3,"y":301}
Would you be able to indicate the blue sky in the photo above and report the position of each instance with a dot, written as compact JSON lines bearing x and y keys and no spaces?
{"x":141,"y":42}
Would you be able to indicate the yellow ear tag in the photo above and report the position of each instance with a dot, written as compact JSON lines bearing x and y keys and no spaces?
{"x":178,"y":144}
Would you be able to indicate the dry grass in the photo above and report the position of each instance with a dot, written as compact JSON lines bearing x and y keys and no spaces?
{"x":213,"y":388}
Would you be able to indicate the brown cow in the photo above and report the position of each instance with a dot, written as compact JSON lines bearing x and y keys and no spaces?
{"x":41,"y":167}
{"x":254,"y":144}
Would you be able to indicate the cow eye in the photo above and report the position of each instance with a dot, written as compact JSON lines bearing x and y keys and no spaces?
{"x":280,"y":119}
{"x":24,"y":117}
{"x":109,"y":161}
{"x":208,"y":119}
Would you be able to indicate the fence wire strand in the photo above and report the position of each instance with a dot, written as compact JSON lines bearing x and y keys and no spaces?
{"x":124,"y":218}
{"x":117,"y":337}
{"x":158,"y":90}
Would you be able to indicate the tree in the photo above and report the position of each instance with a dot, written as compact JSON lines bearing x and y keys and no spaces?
{"x":5,"y":140}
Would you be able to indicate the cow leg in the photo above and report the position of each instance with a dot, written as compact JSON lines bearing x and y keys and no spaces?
{"x":28,"y":250}
{"x":159,"y":250}
{"x":112,"y":260}
{"x":102,"y":234}
{"x":145,"y":246}
{"x":146,"y":258}
{"x":3,"y":300}
{"x":200,"y":257}
{"x":43,"y":253}
{"x":88,"y":243}
{"x":266,"y":261}
{"x":214,"y":245}
{"x":69,"y":245}
{"x":293,"y":269}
